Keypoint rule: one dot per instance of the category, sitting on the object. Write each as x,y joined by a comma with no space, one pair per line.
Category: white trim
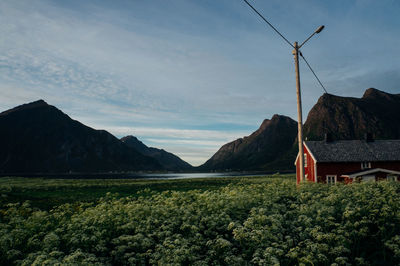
314,160
335,176
309,151
365,165
315,172
370,171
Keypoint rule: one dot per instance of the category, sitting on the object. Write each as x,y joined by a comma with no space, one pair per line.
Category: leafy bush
271,223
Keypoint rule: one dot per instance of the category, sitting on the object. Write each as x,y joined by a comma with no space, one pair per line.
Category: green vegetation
48,193
239,221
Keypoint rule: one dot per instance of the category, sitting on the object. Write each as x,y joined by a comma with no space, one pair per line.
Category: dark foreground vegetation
239,221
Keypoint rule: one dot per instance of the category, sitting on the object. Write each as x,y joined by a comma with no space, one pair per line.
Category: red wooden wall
309,170
338,169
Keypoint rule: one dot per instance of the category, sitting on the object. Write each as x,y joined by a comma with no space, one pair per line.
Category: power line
315,75
263,18
280,34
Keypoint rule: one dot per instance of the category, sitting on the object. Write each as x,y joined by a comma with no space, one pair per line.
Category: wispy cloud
203,143
176,133
162,70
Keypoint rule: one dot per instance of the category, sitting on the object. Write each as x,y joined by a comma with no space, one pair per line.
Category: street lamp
296,51
299,108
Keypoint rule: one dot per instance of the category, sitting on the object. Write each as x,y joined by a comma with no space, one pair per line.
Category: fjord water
198,175
150,176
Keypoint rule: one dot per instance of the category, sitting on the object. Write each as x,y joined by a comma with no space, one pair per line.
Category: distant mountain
265,149
168,160
377,112
273,147
38,137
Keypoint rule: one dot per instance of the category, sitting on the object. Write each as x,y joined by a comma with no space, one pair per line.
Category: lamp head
320,28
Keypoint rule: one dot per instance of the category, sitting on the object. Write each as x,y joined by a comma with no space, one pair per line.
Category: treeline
244,223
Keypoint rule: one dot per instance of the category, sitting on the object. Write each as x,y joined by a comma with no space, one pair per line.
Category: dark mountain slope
274,145
265,149
376,112
168,160
37,137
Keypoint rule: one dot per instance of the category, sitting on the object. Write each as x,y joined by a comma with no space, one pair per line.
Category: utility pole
299,111
296,51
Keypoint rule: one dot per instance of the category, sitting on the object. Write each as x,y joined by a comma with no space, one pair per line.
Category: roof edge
370,171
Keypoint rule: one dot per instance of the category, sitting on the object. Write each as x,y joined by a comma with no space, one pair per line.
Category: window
305,159
331,179
365,165
367,178
392,178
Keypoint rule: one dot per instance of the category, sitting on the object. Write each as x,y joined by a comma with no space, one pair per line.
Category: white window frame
365,165
391,178
330,178
368,178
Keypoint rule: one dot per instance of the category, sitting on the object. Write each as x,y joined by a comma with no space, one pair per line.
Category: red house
349,161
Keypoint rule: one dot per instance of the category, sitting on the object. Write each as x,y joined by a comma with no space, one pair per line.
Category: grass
46,193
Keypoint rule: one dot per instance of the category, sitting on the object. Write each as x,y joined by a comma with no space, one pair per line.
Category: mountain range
377,112
39,138
273,147
263,149
167,160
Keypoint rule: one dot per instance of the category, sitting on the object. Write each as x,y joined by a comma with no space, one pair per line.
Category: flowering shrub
271,223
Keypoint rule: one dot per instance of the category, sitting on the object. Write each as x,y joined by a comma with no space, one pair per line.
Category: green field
214,221
47,193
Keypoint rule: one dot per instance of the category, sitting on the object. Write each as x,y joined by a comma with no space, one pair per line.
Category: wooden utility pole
299,111
296,52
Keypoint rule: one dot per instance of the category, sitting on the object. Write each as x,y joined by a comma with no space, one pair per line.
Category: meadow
214,221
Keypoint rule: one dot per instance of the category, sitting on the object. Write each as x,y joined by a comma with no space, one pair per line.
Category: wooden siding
309,170
337,168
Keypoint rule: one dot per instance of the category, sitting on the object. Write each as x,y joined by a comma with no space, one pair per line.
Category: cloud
162,70
195,146
174,133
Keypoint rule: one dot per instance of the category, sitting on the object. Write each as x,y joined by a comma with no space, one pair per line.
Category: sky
188,76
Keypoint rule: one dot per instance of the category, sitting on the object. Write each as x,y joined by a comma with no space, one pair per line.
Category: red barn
350,160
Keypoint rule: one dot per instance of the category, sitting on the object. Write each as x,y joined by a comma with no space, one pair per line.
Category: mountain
168,160
274,145
377,112
38,137
266,149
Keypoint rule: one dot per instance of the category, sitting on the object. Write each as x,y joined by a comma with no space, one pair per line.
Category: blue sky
189,76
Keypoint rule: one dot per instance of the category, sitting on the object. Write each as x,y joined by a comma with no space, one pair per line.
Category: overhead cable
315,75
283,37
263,18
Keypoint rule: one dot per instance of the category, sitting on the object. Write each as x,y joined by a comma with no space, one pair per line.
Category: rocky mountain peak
32,105
374,94
37,137
135,143
262,147
351,118
276,119
129,138
168,160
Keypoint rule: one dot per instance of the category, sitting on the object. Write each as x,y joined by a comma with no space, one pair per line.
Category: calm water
196,175
143,175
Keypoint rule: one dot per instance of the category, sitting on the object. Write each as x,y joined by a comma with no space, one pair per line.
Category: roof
371,171
355,150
